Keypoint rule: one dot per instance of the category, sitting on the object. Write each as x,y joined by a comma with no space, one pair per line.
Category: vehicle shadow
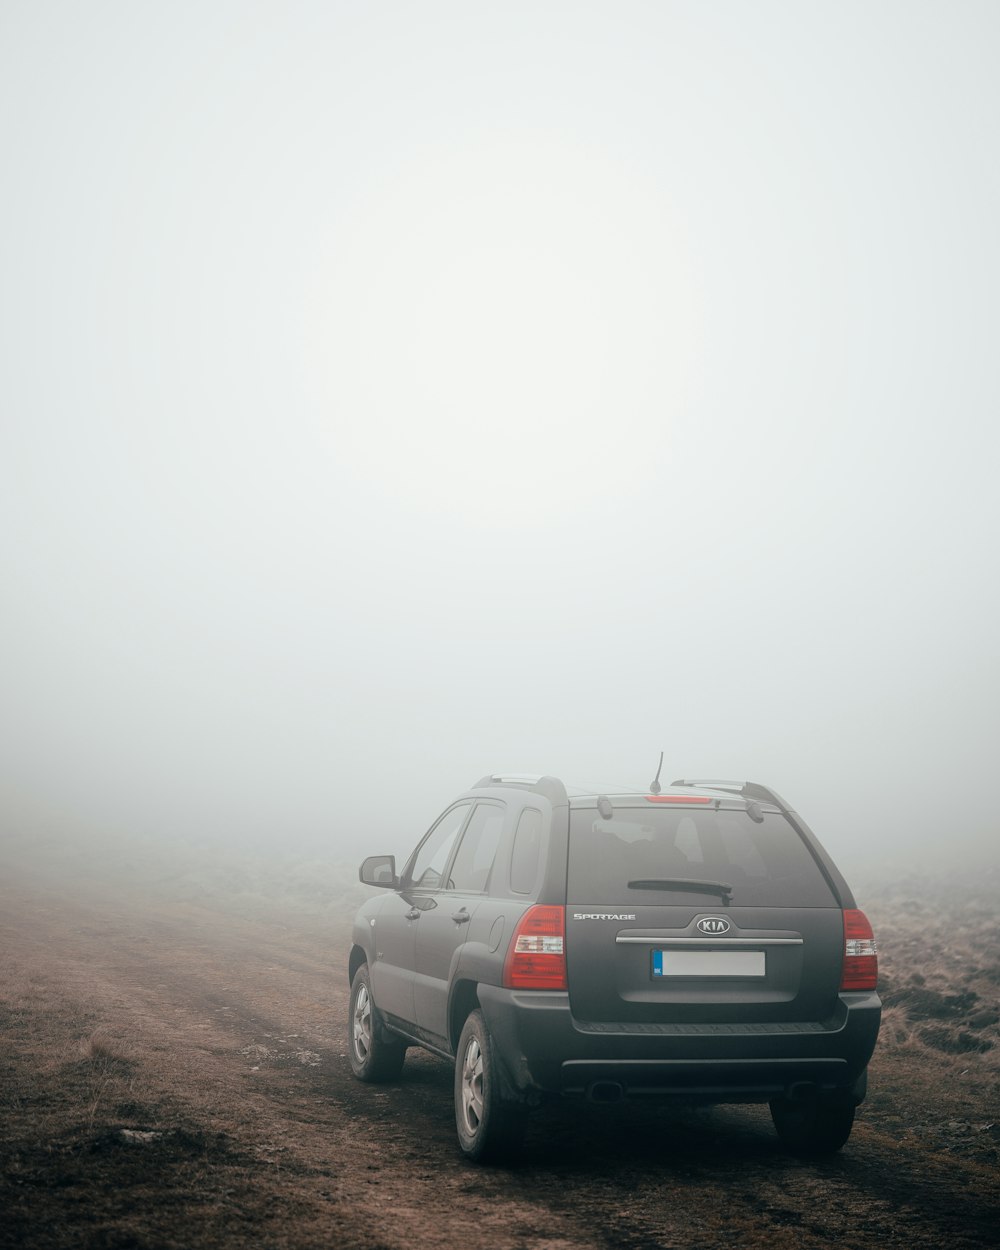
578,1134
633,1132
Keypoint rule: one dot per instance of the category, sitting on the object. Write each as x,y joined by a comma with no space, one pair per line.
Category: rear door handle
413,913
461,916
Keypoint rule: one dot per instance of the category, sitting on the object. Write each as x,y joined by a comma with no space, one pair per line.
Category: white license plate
708,964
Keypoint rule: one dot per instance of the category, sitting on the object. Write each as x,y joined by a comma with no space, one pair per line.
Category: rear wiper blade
683,883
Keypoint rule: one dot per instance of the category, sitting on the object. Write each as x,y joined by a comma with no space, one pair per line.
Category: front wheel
490,1128
372,1057
813,1126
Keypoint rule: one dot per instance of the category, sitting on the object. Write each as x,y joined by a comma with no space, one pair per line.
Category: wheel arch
464,1001
357,958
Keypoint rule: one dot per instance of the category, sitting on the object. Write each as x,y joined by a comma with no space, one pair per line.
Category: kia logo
714,924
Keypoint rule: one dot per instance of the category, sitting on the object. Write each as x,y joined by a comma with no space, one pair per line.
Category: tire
373,1058
813,1126
490,1127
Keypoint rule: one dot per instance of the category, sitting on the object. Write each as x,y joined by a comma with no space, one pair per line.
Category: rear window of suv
767,864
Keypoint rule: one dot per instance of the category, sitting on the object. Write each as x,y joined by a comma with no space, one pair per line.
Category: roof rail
748,789
754,790
713,783
550,788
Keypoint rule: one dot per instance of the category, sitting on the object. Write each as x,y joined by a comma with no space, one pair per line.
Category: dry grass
939,960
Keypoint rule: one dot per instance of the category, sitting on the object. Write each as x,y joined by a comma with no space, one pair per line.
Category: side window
527,849
471,869
429,865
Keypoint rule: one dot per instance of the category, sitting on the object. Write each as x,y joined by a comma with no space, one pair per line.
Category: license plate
708,964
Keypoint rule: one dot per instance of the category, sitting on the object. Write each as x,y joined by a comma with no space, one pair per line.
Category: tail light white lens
860,953
536,957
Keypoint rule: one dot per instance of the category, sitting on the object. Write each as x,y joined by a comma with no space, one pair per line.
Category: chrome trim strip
709,942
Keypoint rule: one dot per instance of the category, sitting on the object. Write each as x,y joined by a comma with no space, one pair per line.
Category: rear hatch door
690,909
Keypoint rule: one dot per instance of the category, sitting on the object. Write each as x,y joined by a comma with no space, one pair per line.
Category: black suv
696,943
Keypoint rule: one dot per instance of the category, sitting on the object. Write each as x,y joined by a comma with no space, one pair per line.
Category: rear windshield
767,864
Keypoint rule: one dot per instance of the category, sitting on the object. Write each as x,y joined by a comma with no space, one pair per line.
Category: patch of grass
939,961
107,1048
954,1041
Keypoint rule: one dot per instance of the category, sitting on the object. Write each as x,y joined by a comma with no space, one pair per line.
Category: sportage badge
714,924
603,915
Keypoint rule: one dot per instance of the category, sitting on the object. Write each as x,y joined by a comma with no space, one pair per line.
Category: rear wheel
810,1127
490,1128
372,1057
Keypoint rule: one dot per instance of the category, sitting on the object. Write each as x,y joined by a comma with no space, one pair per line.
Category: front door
397,923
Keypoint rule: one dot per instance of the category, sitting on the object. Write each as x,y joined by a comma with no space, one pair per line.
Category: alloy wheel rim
472,1087
362,1028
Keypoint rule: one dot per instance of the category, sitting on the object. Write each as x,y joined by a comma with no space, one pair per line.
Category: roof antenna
654,785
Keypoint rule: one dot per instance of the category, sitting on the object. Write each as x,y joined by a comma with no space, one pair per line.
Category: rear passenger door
444,925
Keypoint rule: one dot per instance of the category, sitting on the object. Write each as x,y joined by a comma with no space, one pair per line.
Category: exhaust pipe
605,1091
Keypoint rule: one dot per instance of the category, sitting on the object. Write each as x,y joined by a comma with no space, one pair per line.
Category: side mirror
379,870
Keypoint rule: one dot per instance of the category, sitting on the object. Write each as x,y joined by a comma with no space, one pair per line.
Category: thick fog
396,393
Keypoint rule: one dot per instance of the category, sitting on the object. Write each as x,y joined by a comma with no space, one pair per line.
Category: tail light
860,953
536,957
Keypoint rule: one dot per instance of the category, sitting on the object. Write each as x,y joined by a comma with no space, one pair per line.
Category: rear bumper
544,1049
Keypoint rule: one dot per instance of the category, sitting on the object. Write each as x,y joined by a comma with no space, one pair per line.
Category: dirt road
175,1076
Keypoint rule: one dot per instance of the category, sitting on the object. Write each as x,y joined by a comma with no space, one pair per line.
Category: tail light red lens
860,953
536,957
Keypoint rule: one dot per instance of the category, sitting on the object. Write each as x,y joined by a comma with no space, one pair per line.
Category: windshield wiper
683,883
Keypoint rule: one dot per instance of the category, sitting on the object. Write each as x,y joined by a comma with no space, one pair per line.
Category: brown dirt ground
173,1075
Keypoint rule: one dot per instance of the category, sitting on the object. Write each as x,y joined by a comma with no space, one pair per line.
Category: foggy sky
395,393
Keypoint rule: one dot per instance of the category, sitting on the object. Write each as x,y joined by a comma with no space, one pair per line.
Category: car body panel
611,964
548,1049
